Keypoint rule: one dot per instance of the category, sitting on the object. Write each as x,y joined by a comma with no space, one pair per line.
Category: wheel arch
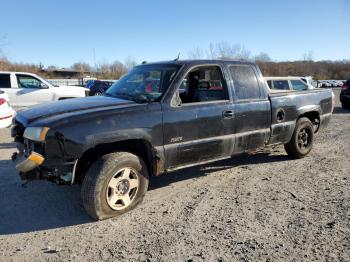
139,147
314,117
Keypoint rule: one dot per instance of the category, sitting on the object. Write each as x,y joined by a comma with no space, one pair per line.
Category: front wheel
302,140
114,184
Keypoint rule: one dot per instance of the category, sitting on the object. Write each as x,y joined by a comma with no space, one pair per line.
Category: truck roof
15,72
198,62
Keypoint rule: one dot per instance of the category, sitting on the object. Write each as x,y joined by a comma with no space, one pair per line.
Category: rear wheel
114,184
302,140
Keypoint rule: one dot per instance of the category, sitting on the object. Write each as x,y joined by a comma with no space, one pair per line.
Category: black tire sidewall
303,123
103,170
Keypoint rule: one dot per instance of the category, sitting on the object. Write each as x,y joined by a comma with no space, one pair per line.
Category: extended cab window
245,82
5,81
25,81
281,84
203,84
298,85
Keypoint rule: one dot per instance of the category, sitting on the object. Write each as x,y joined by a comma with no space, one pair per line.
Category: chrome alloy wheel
122,188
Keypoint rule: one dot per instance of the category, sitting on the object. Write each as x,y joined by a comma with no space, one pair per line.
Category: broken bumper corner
33,161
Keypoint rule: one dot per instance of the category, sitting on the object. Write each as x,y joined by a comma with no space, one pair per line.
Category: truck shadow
244,160
340,110
42,205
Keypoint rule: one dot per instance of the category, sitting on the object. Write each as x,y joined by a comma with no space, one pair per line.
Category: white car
6,111
283,83
26,89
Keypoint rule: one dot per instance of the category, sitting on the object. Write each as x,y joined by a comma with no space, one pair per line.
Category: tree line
223,50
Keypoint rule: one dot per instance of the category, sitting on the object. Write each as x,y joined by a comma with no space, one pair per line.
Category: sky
63,32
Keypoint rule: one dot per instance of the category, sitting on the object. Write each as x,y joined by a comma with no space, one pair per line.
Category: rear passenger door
252,113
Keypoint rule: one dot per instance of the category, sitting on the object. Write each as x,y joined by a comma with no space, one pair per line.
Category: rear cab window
5,81
245,82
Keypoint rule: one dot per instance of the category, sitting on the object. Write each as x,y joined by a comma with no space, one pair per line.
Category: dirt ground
262,207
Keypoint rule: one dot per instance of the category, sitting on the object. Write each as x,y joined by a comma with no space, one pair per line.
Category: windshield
144,83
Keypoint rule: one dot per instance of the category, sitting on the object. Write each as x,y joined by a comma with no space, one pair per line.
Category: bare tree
129,63
222,50
308,56
196,53
263,57
82,67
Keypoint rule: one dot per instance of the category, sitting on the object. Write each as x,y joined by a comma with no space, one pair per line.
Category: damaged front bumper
32,167
33,161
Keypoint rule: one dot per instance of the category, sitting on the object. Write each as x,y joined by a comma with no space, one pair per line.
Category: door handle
227,114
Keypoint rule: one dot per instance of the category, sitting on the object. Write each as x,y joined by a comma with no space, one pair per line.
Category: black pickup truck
158,118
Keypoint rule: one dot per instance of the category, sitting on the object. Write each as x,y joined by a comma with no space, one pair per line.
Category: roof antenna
144,62
177,58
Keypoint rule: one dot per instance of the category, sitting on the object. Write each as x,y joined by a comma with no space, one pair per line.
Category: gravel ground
261,207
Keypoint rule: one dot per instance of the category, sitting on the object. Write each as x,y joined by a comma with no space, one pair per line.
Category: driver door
32,91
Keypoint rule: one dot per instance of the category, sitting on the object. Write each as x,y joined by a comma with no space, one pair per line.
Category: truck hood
70,106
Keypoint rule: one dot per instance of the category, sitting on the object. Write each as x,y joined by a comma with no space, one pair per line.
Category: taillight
344,87
2,101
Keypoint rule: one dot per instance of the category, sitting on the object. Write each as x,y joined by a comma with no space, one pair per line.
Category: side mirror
44,86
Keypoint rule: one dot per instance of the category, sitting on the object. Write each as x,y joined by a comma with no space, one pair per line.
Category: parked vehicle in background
286,83
98,87
339,83
345,95
325,83
309,81
26,89
6,111
159,118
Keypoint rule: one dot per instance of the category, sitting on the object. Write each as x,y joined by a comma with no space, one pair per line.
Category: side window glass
245,82
25,81
5,81
298,85
203,84
281,84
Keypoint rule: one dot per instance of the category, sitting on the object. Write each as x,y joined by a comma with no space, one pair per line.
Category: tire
300,145
107,185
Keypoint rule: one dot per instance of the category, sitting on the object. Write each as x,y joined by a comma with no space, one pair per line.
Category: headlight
36,133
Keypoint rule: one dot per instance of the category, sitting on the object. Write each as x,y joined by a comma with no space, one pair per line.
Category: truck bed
287,106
